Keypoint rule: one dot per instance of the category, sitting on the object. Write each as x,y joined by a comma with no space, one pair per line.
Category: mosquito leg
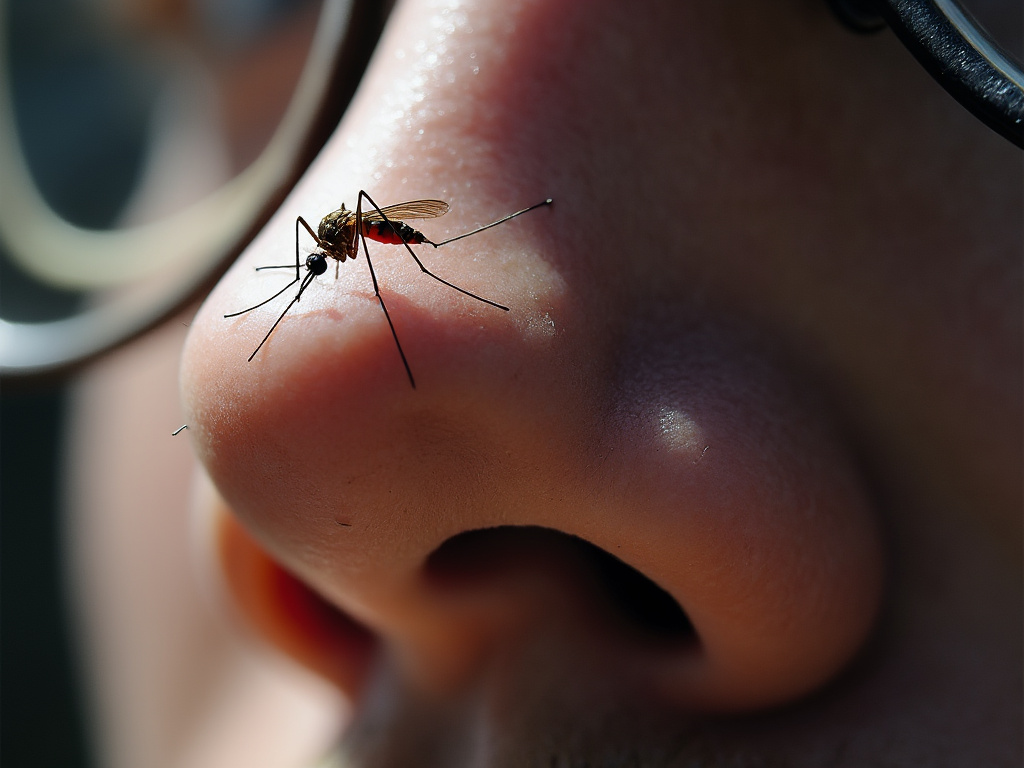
412,253
376,288
302,221
502,220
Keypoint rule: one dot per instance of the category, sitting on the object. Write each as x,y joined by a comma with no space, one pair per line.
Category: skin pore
764,348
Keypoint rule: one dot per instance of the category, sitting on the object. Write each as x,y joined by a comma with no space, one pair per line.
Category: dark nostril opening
475,557
639,599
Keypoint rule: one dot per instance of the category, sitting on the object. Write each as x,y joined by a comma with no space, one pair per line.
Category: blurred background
125,110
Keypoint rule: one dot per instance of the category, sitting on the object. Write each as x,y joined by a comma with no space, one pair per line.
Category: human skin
764,347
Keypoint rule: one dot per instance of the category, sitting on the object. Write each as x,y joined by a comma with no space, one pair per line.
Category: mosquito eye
316,263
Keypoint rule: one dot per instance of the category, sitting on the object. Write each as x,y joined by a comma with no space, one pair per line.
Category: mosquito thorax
337,229
316,263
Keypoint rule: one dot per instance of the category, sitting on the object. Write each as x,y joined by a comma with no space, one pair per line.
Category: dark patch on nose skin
476,557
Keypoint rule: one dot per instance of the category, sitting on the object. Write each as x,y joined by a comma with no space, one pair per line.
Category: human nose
693,521
456,526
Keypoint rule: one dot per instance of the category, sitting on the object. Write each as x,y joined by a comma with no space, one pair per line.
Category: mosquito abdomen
392,233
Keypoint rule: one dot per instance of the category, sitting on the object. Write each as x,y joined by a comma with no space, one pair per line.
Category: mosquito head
316,263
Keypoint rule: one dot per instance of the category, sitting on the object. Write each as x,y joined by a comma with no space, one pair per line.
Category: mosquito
339,235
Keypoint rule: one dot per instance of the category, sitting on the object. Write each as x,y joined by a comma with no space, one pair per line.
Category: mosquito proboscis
339,235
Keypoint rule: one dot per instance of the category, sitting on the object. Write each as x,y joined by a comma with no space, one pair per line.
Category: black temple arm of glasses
955,50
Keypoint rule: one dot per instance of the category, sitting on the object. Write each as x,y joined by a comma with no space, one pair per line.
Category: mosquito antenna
419,263
305,283
267,301
298,276
373,277
502,220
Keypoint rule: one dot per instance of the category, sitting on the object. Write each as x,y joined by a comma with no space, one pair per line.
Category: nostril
475,558
639,599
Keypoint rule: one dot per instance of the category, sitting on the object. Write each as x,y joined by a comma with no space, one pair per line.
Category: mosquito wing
414,209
